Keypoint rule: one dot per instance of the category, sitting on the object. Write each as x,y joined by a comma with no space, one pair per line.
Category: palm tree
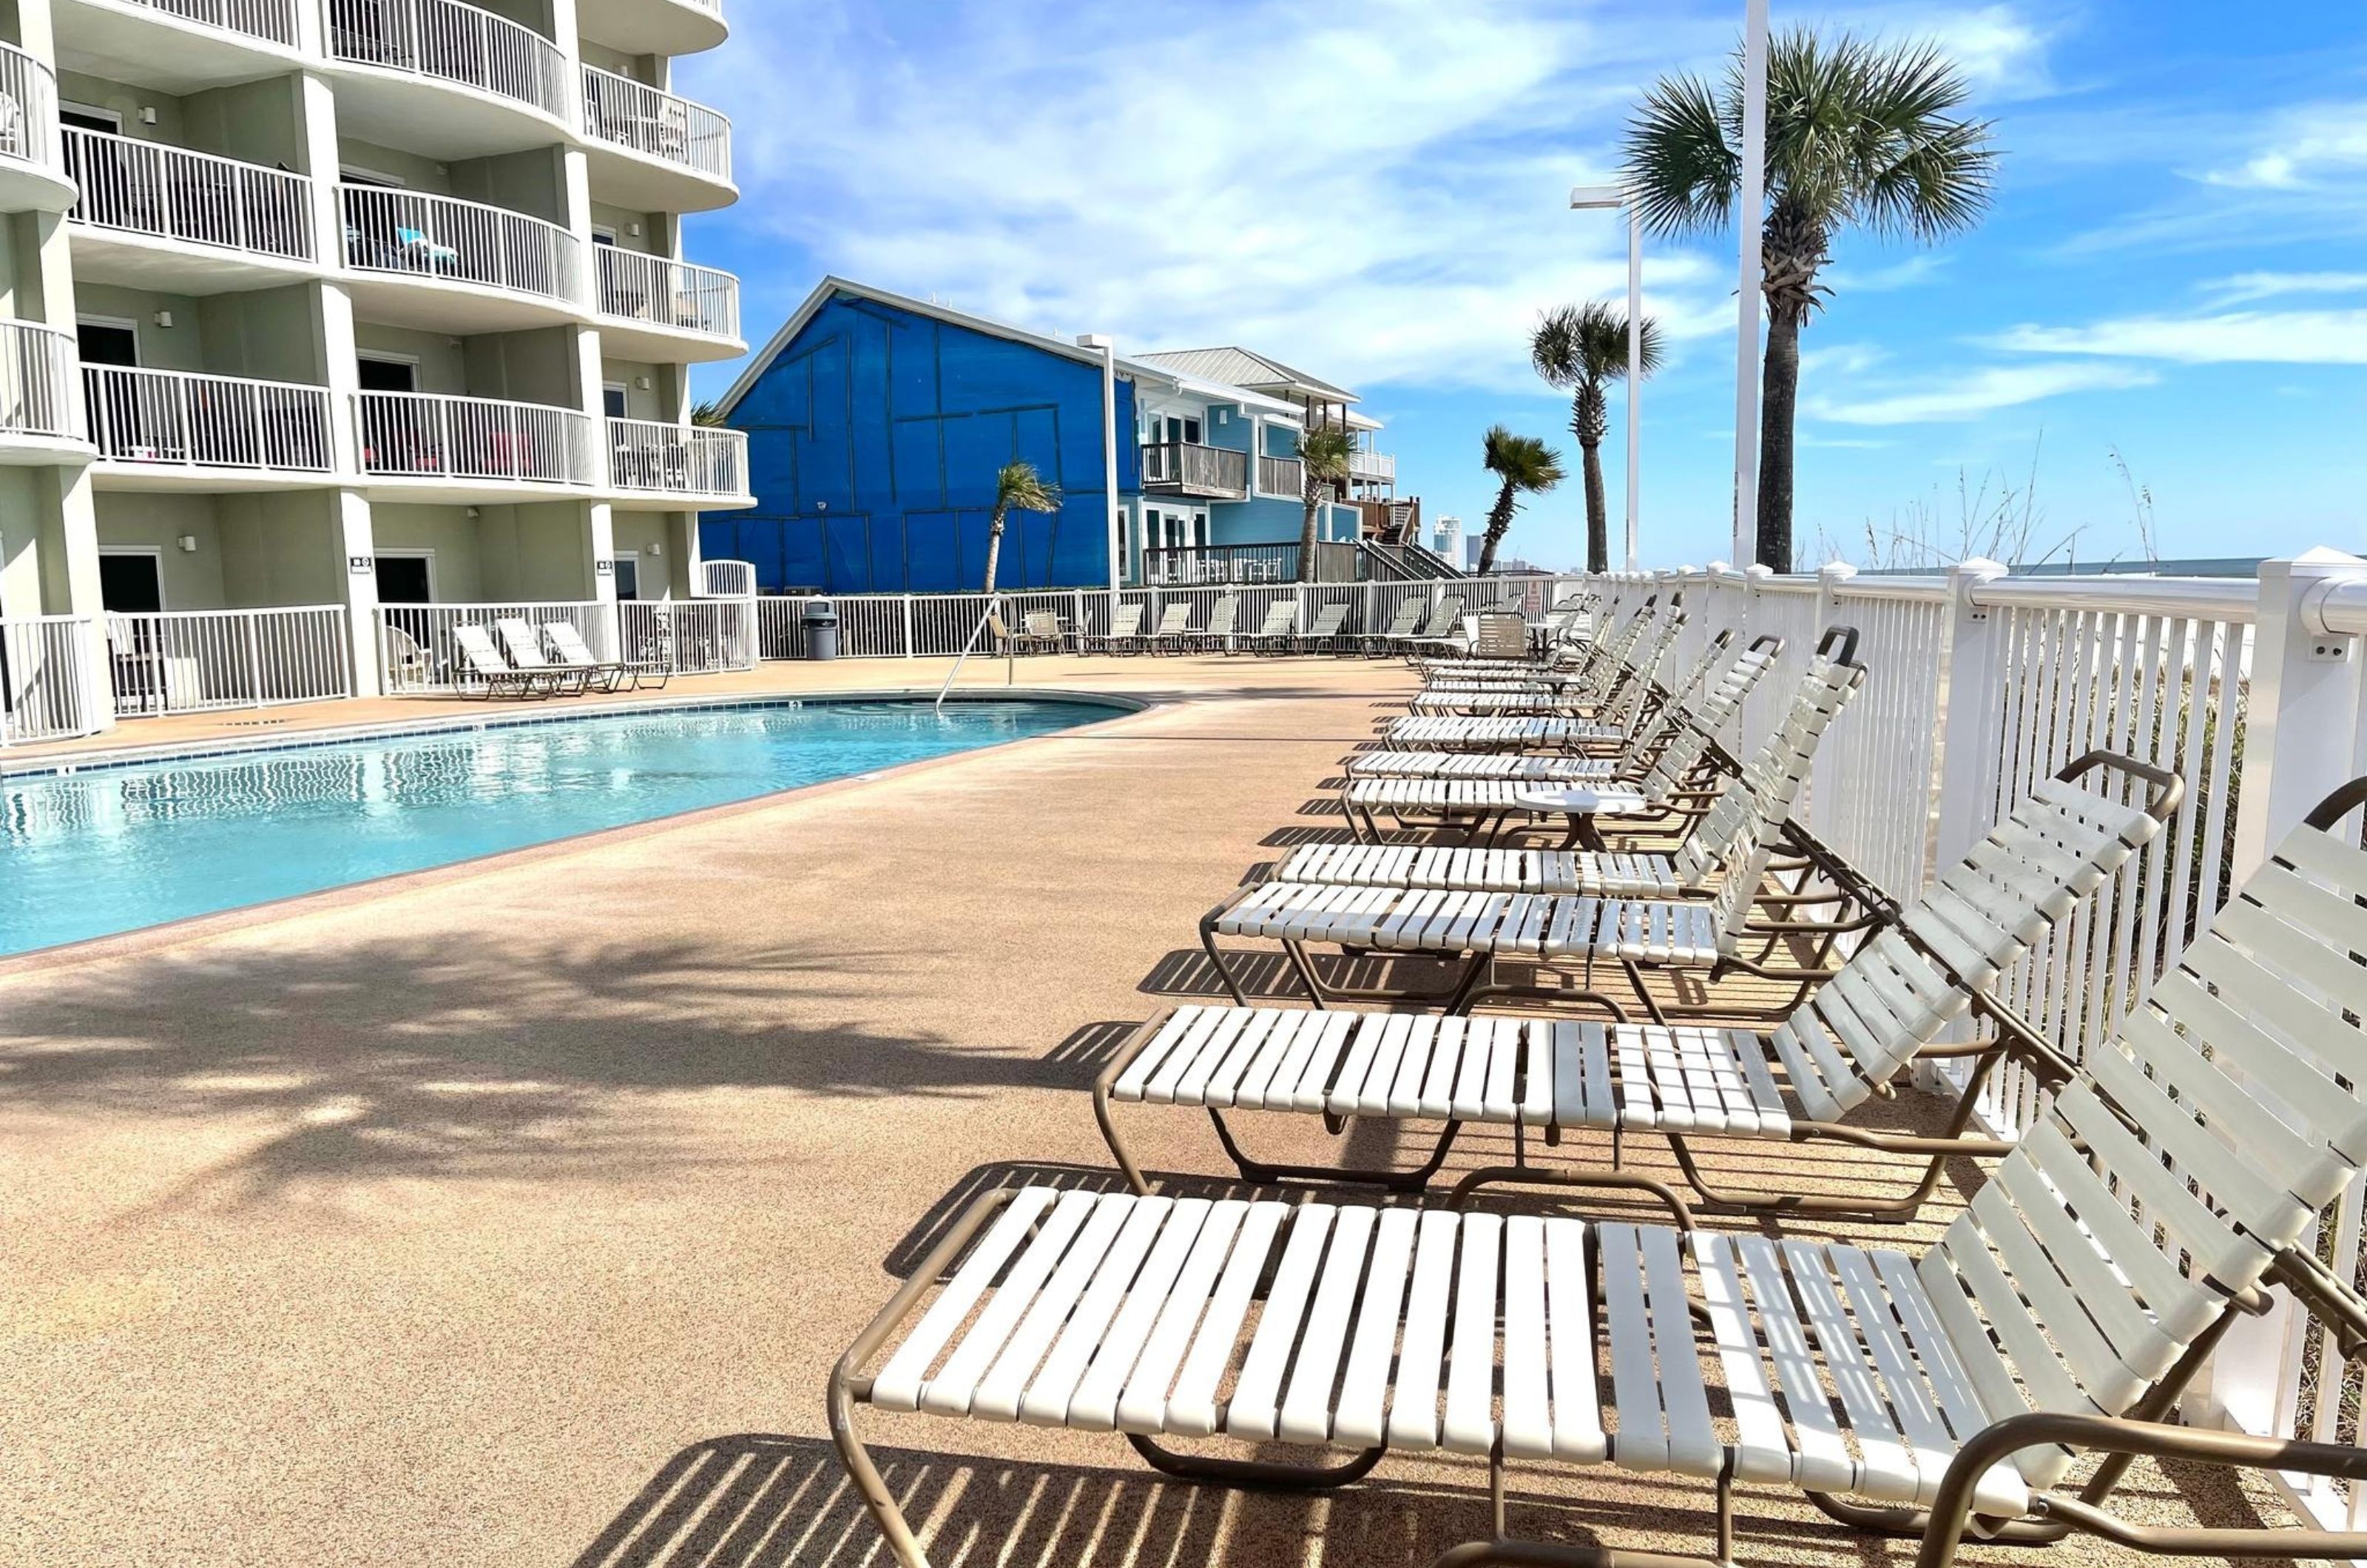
1858,134
708,415
1017,488
1526,465
1578,349
1323,465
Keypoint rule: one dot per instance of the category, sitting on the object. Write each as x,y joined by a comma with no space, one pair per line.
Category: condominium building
345,305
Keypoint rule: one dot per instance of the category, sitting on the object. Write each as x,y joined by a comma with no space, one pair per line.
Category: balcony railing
448,42
1195,469
196,660
37,367
688,637
170,417
639,118
1187,566
440,237
274,21
1379,467
649,457
29,134
421,436
171,192
670,294
1281,476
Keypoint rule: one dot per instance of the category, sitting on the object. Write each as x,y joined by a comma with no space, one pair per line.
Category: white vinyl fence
674,636
195,660
44,679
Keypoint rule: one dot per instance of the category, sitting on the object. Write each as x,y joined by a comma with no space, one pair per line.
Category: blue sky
2170,296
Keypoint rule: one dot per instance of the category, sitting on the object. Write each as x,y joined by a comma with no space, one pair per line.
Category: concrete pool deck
514,1214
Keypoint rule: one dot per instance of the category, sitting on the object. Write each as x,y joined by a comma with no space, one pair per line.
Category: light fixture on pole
1590,198
1748,215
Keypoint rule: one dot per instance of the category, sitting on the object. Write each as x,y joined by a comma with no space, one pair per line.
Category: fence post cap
1836,572
1717,566
1978,567
1759,571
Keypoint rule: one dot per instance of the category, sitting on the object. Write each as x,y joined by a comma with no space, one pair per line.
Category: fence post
253,656
2299,737
908,625
1831,577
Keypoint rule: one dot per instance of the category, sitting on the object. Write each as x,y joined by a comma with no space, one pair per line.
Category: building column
357,542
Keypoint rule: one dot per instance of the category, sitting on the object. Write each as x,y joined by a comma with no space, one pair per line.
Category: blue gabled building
877,425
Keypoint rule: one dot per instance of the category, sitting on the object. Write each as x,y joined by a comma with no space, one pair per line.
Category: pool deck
514,1212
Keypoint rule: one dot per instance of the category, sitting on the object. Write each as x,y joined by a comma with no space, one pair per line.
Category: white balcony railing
422,435
37,366
44,694
639,118
274,21
195,660
448,42
440,237
671,294
171,192
649,457
1381,467
171,417
29,109
1281,476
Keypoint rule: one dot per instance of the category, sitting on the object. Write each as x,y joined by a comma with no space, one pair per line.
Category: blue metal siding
874,439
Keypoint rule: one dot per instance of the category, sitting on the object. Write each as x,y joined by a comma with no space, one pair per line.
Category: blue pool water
115,849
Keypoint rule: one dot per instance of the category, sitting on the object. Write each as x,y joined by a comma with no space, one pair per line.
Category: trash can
821,629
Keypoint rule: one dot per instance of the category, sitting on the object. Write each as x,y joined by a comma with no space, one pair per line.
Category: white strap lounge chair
2176,1174
1325,632
1275,633
1402,626
1174,627
524,646
1897,991
478,667
1479,927
1126,626
568,647
1222,617
1444,621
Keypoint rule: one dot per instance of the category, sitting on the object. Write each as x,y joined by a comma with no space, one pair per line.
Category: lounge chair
1938,960
1621,675
567,644
1174,628
1325,632
1126,626
1219,633
480,668
1400,629
1556,930
1274,633
524,646
2179,1169
1445,618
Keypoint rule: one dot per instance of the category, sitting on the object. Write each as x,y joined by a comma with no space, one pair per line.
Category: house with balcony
313,308
878,422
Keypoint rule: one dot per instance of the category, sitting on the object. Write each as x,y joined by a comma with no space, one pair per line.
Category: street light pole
1607,197
1748,215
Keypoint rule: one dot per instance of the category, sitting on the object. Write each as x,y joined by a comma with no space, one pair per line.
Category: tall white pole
1108,347
1749,214
1635,374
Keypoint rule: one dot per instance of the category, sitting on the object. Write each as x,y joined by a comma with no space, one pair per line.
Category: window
405,580
104,340
132,582
388,375
603,236
370,177
629,576
612,400
90,117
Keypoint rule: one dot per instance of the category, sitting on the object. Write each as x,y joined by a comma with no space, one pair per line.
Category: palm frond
1522,463
1018,488
1679,161
1324,450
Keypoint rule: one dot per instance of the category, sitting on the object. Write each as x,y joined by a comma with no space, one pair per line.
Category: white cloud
1971,393
2249,286
2259,337
2311,145
1842,359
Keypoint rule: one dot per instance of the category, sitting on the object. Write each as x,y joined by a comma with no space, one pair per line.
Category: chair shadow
906,1257
1088,1047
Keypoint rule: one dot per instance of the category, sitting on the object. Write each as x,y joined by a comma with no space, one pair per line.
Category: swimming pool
117,848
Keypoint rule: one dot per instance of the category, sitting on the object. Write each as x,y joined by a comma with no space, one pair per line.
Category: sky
2154,343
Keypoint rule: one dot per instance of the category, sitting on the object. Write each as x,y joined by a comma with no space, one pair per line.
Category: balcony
655,152
653,27
1379,468
1186,468
437,262
178,46
31,177
462,448
678,462
1281,476
168,429
36,406
154,215
651,308
495,86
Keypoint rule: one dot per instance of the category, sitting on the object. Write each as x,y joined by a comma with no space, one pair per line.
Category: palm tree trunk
1779,400
1597,523
1499,523
1306,536
994,547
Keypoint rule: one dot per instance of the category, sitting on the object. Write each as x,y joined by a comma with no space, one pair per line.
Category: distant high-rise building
1447,537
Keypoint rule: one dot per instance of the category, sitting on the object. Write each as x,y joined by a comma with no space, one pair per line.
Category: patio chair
524,646
1446,618
407,665
1555,930
1174,628
1222,617
1324,635
1126,626
1274,633
2177,1173
1936,961
1039,632
1401,627
480,669
1622,676
568,646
